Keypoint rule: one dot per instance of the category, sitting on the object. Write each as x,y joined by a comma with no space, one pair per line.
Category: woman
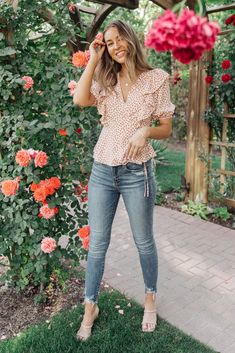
129,95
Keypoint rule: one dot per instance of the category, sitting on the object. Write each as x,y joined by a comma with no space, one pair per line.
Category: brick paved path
196,287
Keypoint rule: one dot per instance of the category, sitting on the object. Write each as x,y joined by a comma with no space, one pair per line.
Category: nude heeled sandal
85,330
147,321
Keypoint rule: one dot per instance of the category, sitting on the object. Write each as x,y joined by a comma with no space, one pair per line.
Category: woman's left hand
136,143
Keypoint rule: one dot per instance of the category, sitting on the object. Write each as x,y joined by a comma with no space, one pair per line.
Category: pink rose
48,245
48,212
72,86
29,82
23,158
32,153
41,159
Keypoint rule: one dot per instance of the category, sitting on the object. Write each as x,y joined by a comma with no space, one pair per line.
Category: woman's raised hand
97,48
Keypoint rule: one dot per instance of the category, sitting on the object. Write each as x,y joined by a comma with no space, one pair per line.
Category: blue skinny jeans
136,184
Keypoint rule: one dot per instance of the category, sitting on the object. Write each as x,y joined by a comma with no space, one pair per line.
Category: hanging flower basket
186,34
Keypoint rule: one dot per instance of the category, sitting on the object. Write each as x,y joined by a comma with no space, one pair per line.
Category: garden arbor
198,132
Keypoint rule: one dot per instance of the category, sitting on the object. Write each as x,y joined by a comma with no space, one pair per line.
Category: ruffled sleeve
163,106
100,97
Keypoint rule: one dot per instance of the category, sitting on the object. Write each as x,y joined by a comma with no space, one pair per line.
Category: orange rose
23,158
84,232
34,187
55,182
63,132
9,187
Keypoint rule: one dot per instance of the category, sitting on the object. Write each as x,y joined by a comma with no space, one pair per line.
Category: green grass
113,333
169,176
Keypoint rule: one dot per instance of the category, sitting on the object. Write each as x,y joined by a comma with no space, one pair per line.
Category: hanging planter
183,32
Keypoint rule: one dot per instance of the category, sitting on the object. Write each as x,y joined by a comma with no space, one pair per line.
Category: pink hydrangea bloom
28,82
48,245
48,212
23,158
187,35
41,159
72,86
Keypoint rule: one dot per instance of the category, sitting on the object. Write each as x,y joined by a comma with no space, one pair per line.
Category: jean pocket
134,167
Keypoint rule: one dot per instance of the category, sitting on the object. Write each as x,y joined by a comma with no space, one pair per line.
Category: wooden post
198,133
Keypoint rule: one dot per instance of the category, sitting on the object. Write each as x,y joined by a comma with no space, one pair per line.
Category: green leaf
7,51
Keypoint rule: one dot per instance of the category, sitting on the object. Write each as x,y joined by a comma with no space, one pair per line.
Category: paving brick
220,342
196,285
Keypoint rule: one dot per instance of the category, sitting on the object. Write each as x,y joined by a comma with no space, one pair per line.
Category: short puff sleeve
163,105
100,97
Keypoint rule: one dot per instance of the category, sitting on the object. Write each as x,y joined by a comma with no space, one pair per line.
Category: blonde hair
107,69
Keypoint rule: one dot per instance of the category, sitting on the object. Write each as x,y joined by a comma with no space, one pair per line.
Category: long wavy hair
107,69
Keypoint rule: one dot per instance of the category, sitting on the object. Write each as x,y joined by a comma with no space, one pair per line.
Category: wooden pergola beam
129,4
101,15
220,8
86,9
165,4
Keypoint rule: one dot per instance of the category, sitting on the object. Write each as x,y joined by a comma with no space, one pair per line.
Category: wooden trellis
224,145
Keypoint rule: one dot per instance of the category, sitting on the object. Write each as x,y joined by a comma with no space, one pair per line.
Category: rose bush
42,136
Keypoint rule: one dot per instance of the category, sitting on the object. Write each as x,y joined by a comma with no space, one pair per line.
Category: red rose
226,78
230,20
226,64
208,79
78,130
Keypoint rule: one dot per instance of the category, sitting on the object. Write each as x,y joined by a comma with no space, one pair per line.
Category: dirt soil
18,310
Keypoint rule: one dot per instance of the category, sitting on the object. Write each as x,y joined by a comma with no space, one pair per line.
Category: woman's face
116,45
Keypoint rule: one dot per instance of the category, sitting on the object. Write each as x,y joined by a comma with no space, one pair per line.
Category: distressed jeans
106,184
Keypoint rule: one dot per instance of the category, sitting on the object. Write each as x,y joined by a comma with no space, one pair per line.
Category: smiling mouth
120,54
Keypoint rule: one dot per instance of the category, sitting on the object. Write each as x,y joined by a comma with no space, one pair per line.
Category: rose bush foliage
32,115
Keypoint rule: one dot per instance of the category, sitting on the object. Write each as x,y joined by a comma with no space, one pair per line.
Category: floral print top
148,100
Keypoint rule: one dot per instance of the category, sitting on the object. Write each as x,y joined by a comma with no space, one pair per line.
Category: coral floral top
148,100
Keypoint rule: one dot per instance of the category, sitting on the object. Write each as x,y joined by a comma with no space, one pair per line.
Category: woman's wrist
144,131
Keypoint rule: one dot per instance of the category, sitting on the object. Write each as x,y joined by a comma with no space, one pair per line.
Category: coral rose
80,58
9,187
226,78
48,212
208,79
40,194
84,232
48,245
40,159
63,132
29,82
23,158
226,64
